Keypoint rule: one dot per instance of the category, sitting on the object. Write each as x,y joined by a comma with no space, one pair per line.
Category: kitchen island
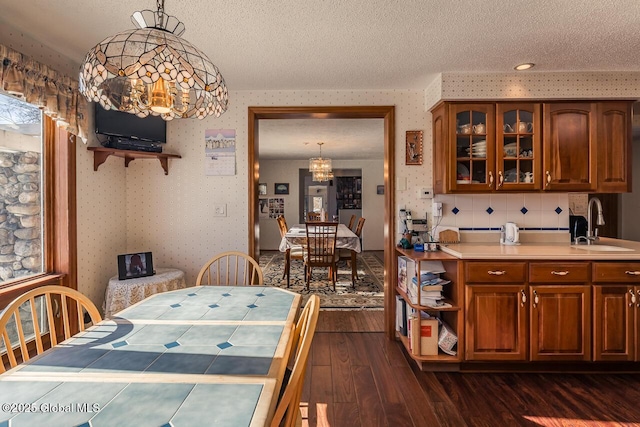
544,306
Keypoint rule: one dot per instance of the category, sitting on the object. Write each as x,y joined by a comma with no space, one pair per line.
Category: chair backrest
314,216
358,231
231,268
288,406
31,315
351,221
282,225
321,242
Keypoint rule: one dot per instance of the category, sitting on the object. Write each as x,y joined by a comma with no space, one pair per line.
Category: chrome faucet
592,235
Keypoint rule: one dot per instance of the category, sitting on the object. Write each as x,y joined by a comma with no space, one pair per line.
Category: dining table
345,239
207,355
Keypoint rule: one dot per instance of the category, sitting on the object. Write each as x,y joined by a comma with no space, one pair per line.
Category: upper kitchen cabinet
518,152
532,146
486,147
614,146
570,146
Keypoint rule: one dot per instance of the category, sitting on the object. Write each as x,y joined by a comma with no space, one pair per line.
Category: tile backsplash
487,212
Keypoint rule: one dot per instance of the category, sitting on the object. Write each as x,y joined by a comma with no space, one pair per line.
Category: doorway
387,113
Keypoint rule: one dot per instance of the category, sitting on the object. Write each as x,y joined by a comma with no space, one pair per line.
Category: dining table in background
209,355
345,239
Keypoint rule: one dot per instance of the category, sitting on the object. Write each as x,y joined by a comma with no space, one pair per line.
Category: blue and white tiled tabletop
212,355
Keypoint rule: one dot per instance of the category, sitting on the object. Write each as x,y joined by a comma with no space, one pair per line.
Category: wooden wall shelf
100,155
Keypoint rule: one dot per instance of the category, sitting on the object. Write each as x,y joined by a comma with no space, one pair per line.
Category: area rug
368,292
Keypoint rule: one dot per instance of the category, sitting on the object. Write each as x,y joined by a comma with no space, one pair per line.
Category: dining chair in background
351,222
231,268
287,412
314,216
321,249
292,253
350,255
35,313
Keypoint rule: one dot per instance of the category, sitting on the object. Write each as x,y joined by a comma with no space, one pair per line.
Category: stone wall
20,220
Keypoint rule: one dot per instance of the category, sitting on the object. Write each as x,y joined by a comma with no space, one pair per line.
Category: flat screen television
129,126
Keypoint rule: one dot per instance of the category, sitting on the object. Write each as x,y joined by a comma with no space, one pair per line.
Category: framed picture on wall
281,188
262,189
414,147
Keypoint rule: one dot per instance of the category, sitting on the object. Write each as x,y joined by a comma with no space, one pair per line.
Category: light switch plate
220,209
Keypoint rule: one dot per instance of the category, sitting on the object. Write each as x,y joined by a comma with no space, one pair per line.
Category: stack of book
429,285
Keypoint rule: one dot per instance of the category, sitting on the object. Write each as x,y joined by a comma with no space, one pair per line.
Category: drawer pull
638,297
548,179
536,300
633,298
560,273
490,179
497,272
524,298
632,273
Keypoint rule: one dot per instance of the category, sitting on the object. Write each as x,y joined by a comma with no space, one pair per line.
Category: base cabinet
560,322
496,322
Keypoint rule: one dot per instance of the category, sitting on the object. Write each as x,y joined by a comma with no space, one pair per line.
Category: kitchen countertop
544,251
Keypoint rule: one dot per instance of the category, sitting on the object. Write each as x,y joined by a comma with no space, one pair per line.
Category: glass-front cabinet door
473,156
518,148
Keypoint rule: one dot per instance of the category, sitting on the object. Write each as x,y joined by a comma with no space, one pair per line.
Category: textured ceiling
355,44
359,44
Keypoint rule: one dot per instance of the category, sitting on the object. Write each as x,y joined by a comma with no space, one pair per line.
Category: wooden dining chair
350,255
351,222
314,216
287,412
231,268
292,253
33,315
321,249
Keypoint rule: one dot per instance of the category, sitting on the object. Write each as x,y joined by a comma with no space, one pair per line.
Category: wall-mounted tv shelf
100,155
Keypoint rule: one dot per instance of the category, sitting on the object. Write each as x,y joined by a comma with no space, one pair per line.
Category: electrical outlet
436,209
220,209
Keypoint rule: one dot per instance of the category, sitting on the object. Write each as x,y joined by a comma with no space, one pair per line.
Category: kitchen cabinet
569,146
532,146
560,316
616,311
614,146
496,311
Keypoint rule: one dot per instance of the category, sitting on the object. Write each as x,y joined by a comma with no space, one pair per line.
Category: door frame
385,112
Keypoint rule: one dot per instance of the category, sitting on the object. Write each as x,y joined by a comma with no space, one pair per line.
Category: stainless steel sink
602,248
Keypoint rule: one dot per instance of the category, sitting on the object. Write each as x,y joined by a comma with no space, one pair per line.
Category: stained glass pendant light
319,165
151,70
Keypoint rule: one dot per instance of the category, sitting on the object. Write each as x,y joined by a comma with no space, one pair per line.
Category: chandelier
320,167
151,70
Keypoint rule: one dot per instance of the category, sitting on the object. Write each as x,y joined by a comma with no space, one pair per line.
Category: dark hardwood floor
362,379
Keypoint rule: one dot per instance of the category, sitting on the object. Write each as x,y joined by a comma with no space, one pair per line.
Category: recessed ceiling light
522,67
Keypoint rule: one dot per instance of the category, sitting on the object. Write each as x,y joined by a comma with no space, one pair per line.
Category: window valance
55,93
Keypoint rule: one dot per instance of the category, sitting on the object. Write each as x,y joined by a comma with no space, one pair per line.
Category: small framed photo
131,266
281,188
262,189
414,147
380,189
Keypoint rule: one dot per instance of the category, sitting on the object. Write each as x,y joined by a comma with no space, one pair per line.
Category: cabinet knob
536,300
497,272
633,298
524,298
632,273
500,179
560,273
490,179
548,178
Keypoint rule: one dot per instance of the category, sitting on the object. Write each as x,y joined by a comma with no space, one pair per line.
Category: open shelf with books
429,308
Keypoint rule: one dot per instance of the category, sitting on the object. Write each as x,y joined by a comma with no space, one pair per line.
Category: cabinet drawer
614,272
553,272
495,272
